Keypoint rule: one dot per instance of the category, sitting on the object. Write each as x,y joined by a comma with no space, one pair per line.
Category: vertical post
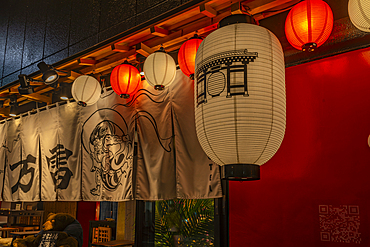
144,225
222,216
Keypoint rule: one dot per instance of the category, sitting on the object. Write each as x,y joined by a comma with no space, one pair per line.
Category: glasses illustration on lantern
211,72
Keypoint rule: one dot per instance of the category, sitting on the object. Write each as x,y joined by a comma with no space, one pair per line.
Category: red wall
86,212
323,160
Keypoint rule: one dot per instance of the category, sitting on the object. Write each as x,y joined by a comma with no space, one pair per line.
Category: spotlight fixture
49,74
25,87
13,106
63,91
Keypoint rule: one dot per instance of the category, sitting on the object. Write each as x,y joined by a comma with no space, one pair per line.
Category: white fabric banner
3,151
69,146
171,163
13,155
107,150
156,171
48,126
197,176
87,153
60,148
22,172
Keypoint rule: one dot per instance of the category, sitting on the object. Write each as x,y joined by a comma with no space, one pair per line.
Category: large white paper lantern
240,96
359,13
86,90
159,69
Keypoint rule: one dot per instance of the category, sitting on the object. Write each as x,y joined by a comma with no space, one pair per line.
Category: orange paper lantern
187,53
125,80
309,24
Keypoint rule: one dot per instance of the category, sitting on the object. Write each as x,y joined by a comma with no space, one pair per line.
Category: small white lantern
86,90
240,96
359,13
159,69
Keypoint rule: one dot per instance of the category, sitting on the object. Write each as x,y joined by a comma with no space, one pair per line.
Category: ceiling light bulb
51,78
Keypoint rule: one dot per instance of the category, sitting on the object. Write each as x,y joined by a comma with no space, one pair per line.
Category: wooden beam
270,5
41,90
89,62
38,97
204,25
207,10
159,31
236,8
4,112
143,49
73,75
109,63
120,48
36,83
13,90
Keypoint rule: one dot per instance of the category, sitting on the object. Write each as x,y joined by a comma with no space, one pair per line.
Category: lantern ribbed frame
309,22
86,90
244,128
125,80
186,55
359,14
159,69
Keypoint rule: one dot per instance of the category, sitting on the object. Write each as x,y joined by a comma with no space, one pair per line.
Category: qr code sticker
340,224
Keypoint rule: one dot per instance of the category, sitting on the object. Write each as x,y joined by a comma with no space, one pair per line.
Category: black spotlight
63,91
49,74
25,87
13,106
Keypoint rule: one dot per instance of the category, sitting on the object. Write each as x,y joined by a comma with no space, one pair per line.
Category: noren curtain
119,149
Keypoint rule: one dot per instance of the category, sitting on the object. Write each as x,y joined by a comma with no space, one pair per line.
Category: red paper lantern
309,24
125,80
187,53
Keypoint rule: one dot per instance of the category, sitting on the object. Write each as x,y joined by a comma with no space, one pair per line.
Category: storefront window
108,210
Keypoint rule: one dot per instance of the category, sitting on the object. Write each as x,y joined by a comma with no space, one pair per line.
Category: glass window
108,210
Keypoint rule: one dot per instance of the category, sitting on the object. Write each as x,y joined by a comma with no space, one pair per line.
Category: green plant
184,222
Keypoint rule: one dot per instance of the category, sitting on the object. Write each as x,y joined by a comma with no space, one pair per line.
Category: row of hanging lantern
159,69
239,82
308,25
